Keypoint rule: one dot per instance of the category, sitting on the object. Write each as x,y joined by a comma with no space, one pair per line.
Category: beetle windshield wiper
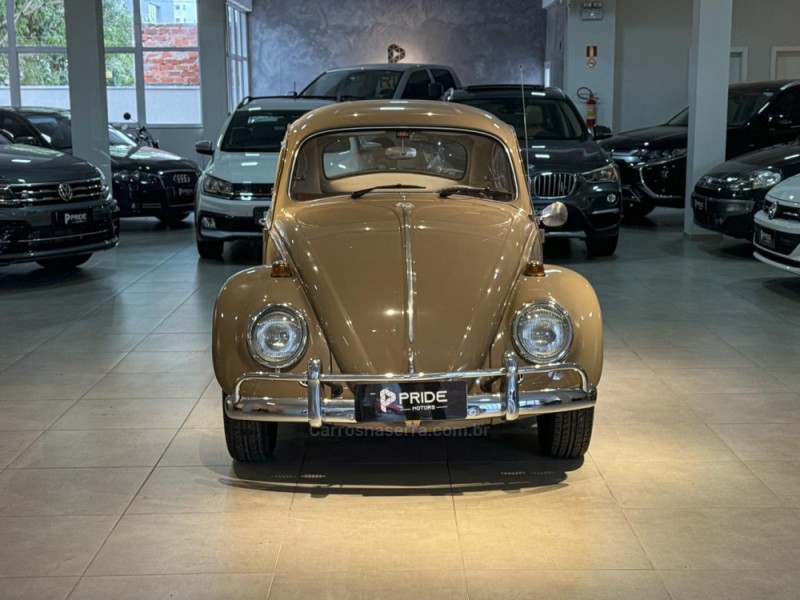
396,186
470,190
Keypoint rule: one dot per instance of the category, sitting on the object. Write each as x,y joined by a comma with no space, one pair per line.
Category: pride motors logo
387,398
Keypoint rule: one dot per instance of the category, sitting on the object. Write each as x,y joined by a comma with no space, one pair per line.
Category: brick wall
170,68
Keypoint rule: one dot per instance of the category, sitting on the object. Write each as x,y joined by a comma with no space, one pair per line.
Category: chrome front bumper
317,410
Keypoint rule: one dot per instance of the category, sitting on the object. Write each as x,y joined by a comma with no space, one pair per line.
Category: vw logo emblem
772,210
65,192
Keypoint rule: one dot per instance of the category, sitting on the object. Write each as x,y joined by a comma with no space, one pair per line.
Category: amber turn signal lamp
534,269
280,268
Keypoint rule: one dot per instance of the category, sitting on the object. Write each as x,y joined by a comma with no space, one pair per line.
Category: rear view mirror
601,132
27,139
778,121
401,152
204,147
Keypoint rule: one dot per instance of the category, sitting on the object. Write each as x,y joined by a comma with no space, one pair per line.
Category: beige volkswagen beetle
403,287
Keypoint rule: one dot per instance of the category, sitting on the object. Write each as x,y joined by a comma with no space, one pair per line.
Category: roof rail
248,99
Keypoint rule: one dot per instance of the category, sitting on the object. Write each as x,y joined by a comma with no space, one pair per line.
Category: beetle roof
403,113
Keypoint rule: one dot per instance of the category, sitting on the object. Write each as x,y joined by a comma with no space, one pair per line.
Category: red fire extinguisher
590,99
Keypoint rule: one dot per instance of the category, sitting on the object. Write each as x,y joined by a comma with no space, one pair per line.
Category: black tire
602,246
249,441
565,434
211,249
64,263
172,219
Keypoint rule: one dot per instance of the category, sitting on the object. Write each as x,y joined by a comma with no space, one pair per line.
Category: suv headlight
103,182
650,156
542,332
755,180
278,336
214,186
606,173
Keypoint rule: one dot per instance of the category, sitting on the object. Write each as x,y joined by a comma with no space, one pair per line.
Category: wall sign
591,57
396,53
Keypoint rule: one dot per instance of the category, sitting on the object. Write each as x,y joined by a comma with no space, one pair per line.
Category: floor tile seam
21,452
127,507
83,315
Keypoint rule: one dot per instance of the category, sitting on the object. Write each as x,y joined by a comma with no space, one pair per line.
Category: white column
87,82
211,19
709,66
596,37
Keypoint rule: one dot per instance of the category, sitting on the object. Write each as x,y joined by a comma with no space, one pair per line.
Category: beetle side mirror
204,147
554,215
601,132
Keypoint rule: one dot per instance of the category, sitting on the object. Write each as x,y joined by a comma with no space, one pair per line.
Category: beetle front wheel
249,441
565,434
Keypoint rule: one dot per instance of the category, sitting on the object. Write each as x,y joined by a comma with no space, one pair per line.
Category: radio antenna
525,128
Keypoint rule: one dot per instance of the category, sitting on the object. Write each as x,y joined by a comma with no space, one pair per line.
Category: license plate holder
184,192
72,218
399,402
766,238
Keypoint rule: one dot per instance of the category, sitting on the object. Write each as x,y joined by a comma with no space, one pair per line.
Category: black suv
652,161
564,161
55,209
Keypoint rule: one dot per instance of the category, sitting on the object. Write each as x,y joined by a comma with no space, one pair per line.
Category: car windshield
743,105
546,118
117,138
356,83
56,129
257,130
411,160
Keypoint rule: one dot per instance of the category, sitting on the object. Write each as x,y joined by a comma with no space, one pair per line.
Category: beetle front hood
352,257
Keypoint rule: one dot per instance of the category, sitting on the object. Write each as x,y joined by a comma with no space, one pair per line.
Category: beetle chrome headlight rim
277,336
555,332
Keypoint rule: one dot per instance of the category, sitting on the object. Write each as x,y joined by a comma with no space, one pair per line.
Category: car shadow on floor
345,462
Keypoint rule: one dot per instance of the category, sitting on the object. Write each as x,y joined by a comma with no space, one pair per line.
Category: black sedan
146,181
729,195
55,209
652,161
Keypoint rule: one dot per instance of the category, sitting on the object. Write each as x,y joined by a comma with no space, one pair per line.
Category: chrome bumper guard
316,410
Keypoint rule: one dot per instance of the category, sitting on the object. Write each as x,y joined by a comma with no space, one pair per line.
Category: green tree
40,23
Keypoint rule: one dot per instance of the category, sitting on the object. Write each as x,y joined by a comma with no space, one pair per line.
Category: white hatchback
777,227
235,189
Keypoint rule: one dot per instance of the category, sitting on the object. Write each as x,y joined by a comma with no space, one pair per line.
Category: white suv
777,227
235,188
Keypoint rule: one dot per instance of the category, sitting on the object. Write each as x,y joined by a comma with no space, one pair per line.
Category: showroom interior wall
652,55
291,43
595,72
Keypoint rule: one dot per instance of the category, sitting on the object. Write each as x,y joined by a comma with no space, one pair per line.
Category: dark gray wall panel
292,42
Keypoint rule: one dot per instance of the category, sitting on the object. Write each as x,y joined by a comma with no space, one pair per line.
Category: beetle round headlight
542,332
278,336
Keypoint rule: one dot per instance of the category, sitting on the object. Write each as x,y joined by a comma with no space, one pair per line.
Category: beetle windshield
338,163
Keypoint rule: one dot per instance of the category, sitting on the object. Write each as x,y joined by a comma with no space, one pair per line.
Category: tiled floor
115,481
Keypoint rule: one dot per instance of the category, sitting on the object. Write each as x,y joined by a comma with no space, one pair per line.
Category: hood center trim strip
405,209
